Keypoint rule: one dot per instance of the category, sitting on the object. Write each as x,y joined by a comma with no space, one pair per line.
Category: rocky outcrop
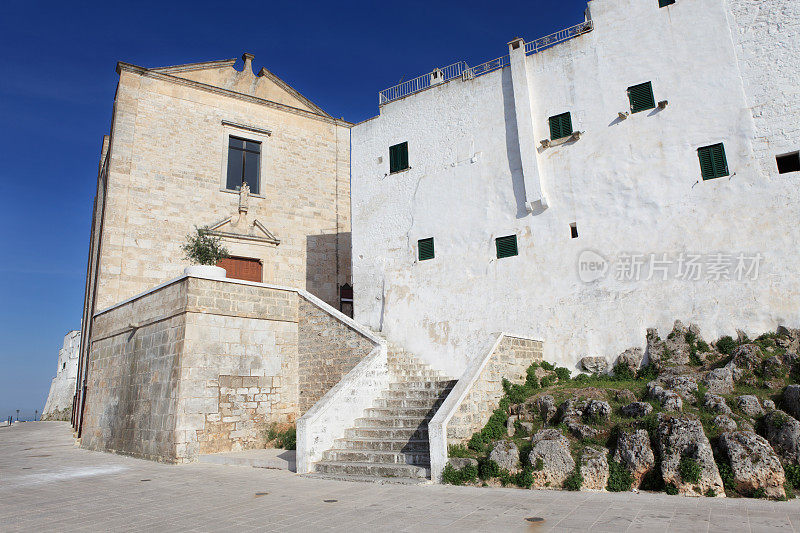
631,358
542,407
681,383
633,451
719,380
637,409
551,459
459,463
791,400
579,430
749,405
716,404
594,365
668,399
594,468
724,423
680,439
754,463
625,396
596,411
769,405
747,357
783,432
772,367
506,455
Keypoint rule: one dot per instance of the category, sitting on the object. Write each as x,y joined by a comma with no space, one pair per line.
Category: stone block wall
327,350
510,360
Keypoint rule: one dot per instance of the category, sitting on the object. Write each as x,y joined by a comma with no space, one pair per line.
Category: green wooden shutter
506,246
665,3
560,126
398,157
641,97
713,163
425,247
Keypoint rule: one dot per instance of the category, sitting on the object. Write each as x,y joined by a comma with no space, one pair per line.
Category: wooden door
242,268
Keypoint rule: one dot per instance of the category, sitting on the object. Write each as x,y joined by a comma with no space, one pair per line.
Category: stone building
183,142
62,389
636,168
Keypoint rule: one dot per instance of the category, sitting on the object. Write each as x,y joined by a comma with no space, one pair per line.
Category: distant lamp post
35,414
17,415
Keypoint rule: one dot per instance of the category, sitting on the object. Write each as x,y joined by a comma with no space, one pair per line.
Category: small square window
506,246
641,97
425,249
560,126
788,163
398,157
713,163
665,3
573,230
244,159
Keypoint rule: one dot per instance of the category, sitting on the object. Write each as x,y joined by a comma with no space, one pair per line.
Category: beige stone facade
203,366
163,171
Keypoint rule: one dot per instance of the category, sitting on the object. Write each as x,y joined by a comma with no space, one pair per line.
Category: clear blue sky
57,83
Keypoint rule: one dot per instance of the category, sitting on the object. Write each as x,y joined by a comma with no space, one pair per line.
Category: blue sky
57,87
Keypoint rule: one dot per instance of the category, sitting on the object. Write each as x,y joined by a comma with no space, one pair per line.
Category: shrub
689,469
530,376
505,477
202,248
562,373
623,371
451,476
792,475
726,345
574,480
759,493
690,337
286,439
487,469
547,381
458,450
516,393
694,360
703,346
671,489
711,493
539,465
726,473
524,478
547,366
619,478
648,372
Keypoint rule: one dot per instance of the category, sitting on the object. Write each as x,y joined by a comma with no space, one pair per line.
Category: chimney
248,62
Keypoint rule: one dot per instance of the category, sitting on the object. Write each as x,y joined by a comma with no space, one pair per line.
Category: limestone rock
551,449
656,350
769,405
594,468
633,451
596,411
594,365
580,431
716,404
681,383
719,380
747,357
745,425
788,338
460,462
527,426
510,425
749,405
571,408
754,463
783,432
725,423
506,455
676,348
668,399
681,437
632,358
772,367
637,409
791,400
625,396
543,407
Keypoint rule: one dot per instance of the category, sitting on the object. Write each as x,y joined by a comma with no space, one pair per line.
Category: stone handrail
477,393
338,409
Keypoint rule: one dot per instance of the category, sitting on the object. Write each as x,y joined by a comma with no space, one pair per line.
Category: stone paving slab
271,458
48,484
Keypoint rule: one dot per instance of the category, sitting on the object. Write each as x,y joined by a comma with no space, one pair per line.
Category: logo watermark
662,266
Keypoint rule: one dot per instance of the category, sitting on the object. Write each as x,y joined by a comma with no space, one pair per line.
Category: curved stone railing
477,393
337,410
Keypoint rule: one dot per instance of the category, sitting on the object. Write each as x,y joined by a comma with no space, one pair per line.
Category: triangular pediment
241,229
265,85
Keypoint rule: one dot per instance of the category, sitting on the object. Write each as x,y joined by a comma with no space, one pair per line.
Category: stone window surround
248,133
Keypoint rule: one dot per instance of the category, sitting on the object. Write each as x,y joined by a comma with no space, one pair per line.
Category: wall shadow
328,265
512,143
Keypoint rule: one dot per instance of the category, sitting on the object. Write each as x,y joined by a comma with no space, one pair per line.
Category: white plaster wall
62,388
631,186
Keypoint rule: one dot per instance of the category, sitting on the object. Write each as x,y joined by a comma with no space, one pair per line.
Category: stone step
392,422
377,456
371,479
397,445
432,403
387,433
440,386
416,394
420,375
372,469
397,412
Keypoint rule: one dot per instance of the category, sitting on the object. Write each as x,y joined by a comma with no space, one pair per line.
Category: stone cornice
127,67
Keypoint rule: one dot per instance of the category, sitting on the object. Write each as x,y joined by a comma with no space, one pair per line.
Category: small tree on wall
202,248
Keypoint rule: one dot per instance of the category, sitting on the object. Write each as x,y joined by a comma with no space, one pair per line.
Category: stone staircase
390,442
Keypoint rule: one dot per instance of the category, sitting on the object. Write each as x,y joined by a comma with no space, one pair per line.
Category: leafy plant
694,359
726,345
689,469
539,465
711,493
524,478
547,366
703,346
575,480
487,469
623,371
458,450
286,439
792,474
726,473
671,489
547,381
759,493
619,477
453,476
562,373
202,248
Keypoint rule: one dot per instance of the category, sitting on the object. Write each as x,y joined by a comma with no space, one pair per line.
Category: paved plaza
48,484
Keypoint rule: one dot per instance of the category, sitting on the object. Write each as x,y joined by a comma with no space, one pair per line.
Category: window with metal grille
425,247
506,246
560,126
788,163
398,157
244,158
665,3
713,163
641,97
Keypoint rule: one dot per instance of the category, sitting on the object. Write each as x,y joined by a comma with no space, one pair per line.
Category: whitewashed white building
615,228
62,389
